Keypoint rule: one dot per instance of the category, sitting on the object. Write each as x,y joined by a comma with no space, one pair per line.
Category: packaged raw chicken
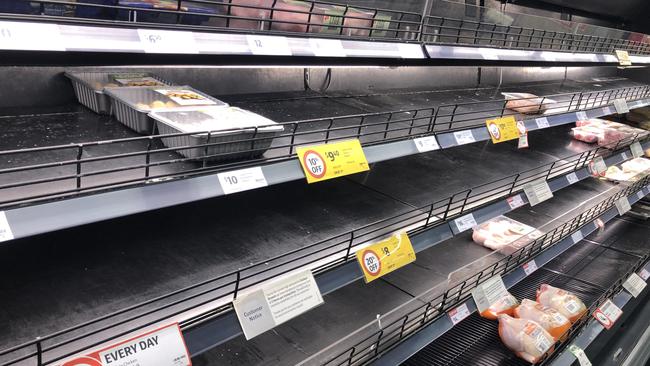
501,233
527,103
550,319
636,165
526,338
565,302
615,173
504,305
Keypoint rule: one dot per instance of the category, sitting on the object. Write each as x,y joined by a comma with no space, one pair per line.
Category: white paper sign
529,267
458,314
161,347
268,45
637,150
634,285
623,206
5,229
577,236
327,47
607,314
515,201
581,116
464,137
537,192
488,293
277,302
428,143
465,222
30,36
621,106
624,156
542,122
583,360
572,178
242,180
163,41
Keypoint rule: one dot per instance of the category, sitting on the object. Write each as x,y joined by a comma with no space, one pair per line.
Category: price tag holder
624,155
529,267
572,178
5,229
464,137
328,161
581,116
623,58
538,192
162,347
428,143
634,285
410,50
276,302
577,237
163,41
598,166
242,180
621,106
458,314
640,195
579,354
637,150
542,122
606,111
385,256
623,206
644,274
327,47
502,129
30,36
515,201
607,314
488,293
268,45
465,223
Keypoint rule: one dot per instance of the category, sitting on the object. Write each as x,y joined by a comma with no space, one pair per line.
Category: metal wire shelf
213,296
84,168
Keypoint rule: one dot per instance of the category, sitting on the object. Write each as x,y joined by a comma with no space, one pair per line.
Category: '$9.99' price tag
327,161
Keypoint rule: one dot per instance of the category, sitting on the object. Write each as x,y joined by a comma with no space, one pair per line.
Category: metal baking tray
236,133
131,106
89,88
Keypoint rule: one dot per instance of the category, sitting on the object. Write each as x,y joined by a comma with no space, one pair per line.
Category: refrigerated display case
162,163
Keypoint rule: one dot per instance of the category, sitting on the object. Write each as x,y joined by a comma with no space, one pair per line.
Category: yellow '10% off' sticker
327,161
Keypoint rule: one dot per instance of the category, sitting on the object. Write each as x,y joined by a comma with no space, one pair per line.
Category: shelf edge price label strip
621,106
607,314
502,129
276,302
456,315
529,267
465,222
634,285
542,122
623,205
427,143
385,256
577,237
164,41
623,58
598,167
515,201
327,161
268,45
327,47
572,178
580,355
161,347
5,230
464,137
538,192
30,36
242,180
637,150
489,293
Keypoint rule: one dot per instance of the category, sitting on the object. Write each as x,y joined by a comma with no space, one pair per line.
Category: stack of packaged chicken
504,234
630,170
605,133
531,328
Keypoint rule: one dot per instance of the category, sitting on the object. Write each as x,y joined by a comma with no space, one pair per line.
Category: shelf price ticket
161,347
607,314
385,256
327,161
503,129
623,58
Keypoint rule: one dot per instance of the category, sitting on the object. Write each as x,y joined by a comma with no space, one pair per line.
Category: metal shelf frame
211,320
384,136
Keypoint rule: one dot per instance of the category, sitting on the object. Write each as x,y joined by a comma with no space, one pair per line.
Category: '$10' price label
327,161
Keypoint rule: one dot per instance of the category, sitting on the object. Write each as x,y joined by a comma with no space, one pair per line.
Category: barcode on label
428,143
577,236
542,122
538,192
623,206
242,180
634,285
530,267
5,229
572,178
515,201
571,306
621,106
464,137
637,150
581,116
458,314
465,222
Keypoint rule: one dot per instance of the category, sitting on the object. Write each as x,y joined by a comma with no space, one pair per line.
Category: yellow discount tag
386,256
503,129
623,58
327,161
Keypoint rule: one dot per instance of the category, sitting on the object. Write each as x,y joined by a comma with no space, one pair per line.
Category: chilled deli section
276,182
